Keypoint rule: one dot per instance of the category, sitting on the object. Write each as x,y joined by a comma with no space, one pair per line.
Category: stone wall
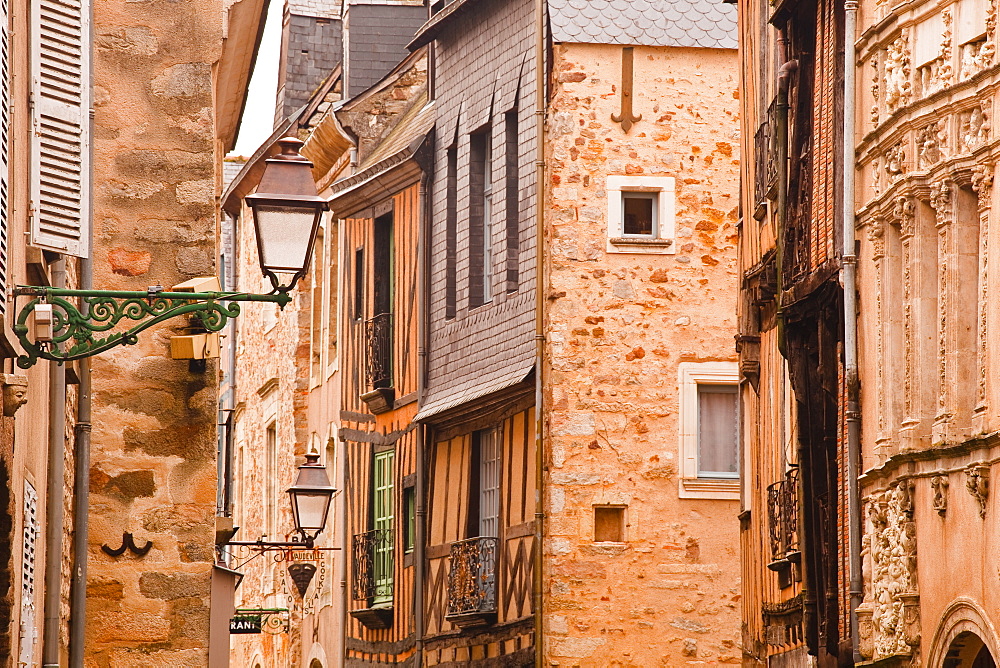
617,326
156,176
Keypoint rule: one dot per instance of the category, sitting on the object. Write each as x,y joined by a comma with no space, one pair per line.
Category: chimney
376,33
311,47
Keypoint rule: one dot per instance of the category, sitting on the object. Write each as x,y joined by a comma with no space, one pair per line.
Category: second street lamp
310,496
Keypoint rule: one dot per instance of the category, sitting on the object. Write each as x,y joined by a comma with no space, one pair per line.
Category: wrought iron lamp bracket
100,311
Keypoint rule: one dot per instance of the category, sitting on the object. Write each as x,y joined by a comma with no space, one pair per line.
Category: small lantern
286,215
311,495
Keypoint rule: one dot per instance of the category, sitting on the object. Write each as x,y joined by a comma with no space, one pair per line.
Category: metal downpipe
852,414
537,575
54,511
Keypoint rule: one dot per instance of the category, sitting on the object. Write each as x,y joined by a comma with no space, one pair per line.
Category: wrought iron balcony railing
783,515
378,351
765,157
472,579
373,566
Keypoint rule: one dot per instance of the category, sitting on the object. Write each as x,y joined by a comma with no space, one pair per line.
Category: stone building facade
642,152
907,555
927,224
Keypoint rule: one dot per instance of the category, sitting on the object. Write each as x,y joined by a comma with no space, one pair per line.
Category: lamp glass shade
285,234
310,510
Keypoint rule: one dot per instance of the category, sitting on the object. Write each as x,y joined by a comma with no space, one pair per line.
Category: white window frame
690,376
662,241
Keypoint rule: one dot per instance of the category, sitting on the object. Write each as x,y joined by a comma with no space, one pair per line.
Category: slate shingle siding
483,58
377,35
691,23
313,48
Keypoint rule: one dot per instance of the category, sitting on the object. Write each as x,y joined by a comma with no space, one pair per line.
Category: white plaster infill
662,241
689,376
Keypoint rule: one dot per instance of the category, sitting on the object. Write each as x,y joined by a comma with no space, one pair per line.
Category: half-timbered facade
479,400
794,519
380,208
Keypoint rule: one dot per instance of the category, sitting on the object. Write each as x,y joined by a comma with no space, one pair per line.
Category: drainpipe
850,267
781,145
424,437
81,458
538,577
54,515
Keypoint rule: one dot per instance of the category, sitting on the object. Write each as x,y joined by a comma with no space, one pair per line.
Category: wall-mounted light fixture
286,212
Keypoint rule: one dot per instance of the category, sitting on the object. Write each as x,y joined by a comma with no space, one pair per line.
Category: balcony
379,392
373,577
783,526
765,162
472,582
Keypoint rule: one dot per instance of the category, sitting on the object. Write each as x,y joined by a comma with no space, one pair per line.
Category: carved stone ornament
941,201
982,184
875,90
977,481
903,211
974,128
15,393
889,569
897,74
939,489
932,144
876,235
895,159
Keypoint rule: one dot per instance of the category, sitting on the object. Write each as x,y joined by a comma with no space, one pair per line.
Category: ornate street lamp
286,215
286,212
311,495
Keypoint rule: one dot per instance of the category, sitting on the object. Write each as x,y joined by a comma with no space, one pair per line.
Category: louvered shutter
4,150
61,103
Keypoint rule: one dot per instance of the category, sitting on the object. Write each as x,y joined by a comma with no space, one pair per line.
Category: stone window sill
726,489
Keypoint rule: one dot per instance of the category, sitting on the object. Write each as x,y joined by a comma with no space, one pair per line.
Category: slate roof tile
690,23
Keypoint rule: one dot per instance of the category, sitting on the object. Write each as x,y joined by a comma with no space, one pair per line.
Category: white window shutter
4,150
60,178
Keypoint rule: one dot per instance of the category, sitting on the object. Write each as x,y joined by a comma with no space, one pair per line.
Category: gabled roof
687,23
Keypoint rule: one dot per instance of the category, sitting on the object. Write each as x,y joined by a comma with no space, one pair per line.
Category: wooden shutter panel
4,150
60,179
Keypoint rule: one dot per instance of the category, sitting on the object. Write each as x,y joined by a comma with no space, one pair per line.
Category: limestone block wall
156,180
617,327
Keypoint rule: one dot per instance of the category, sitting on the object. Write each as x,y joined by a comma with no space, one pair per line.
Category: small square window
639,214
609,524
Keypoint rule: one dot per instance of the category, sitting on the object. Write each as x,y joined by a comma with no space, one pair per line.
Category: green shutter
383,515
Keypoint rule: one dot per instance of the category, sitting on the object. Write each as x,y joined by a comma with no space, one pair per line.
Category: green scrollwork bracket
90,328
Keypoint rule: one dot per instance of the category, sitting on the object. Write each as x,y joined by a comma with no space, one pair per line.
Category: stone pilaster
982,185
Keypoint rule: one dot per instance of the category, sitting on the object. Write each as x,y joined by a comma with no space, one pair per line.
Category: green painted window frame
383,489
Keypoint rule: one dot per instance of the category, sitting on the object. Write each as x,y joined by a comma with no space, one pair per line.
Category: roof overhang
244,30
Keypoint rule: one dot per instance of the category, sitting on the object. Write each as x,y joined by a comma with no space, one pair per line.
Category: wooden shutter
60,164
4,150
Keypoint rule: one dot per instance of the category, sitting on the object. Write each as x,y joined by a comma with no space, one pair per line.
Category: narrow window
639,214
609,524
480,192
512,178
410,523
331,297
318,274
484,502
718,447
359,284
270,478
380,328
382,519
451,233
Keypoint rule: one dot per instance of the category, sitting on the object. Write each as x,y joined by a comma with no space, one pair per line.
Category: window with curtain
718,442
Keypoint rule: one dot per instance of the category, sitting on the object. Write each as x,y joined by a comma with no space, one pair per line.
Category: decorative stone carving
974,128
976,56
903,211
890,590
932,144
937,74
875,90
982,184
977,481
895,158
15,392
876,176
941,201
897,74
939,489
